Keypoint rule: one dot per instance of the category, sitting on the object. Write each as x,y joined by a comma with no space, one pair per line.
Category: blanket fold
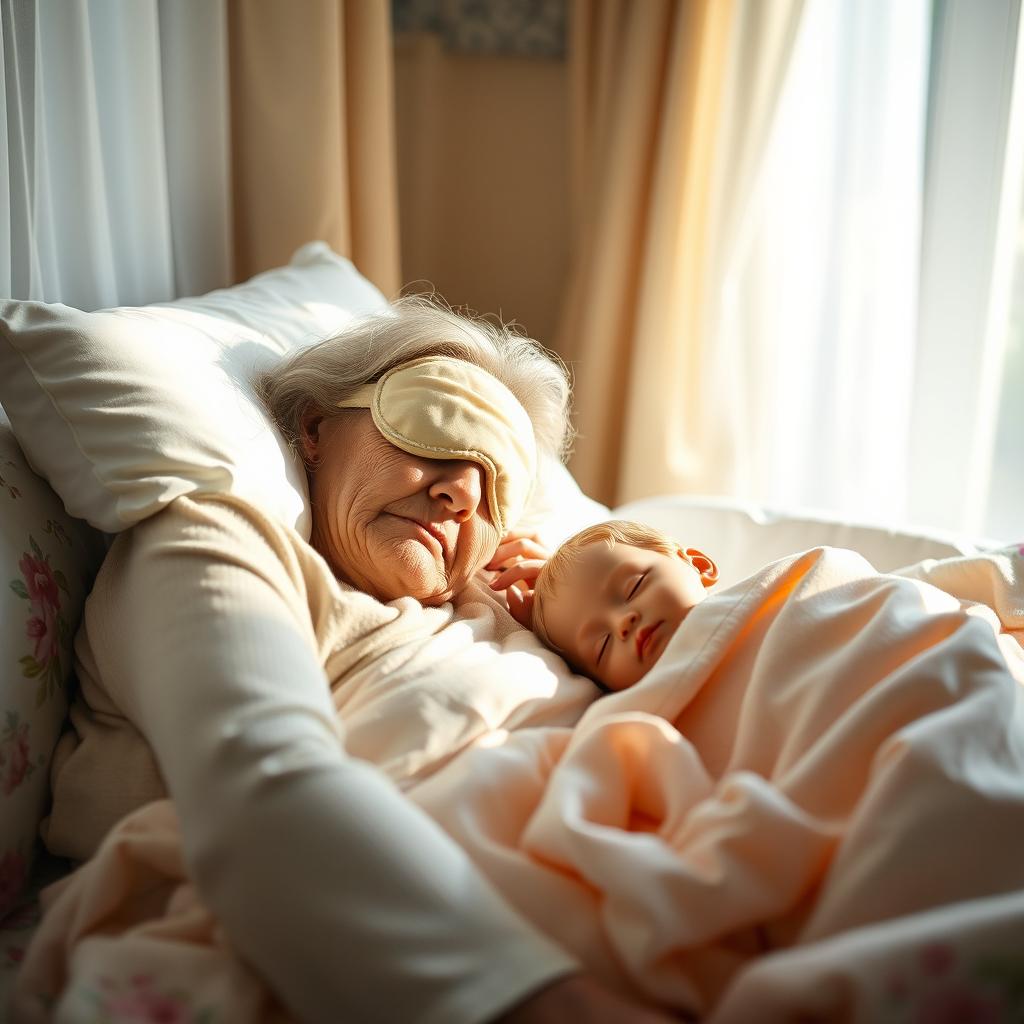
811,808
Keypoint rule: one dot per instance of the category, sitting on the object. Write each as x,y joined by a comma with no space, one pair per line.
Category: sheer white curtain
814,321
114,150
761,56
965,467
862,295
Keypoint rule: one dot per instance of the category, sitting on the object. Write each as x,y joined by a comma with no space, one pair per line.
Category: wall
483,172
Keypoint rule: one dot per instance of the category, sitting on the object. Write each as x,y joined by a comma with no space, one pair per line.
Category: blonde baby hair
558,566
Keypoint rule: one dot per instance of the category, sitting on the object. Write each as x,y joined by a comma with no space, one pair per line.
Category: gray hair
322,375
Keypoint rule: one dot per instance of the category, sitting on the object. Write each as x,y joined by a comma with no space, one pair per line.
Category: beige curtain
672,103
313,133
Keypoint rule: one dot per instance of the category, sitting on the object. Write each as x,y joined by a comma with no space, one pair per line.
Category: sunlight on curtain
646,88
711,454
813,337
827,329
971,216
114,121
1003,509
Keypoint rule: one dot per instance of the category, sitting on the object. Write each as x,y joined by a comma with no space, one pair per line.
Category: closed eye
636,586
603,648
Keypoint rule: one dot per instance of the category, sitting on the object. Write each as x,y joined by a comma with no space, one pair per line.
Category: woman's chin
416,573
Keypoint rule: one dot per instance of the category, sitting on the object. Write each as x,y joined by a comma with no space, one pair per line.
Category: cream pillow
124,409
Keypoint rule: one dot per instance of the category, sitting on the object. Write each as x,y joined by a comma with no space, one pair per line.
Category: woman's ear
309,423
704,565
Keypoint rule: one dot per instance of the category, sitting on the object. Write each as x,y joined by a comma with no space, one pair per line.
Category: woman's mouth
645,640
431,536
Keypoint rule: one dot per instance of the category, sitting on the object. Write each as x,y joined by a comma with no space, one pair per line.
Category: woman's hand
515,546
518,562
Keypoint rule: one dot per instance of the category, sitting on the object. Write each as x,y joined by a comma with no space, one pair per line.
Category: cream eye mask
444,408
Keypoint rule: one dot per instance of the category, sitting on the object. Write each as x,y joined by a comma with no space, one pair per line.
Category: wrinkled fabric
824,760
811,807
282,712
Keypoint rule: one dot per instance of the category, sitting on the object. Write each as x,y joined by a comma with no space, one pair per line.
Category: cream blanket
811,808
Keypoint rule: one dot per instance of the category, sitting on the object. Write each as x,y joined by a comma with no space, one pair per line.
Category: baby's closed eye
635,585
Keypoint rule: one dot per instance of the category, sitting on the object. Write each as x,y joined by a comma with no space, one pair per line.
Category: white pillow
743,538
124,409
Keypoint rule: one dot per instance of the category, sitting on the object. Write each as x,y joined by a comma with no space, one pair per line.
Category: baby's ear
705,566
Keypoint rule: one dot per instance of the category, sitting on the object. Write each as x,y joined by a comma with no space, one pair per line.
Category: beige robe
221,661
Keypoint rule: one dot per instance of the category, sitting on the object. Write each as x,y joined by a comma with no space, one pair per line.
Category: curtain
672,102
814,324
313,117
966,456
113,150
713,453
166,147
646,83
742,318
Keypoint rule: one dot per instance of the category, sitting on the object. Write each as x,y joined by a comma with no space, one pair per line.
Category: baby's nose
626,624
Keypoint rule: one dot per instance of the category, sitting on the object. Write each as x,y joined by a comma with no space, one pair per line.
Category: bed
66,488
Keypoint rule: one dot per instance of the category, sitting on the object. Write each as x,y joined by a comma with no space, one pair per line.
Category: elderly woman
214,635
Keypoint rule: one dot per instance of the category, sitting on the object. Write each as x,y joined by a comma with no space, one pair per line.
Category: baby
609,599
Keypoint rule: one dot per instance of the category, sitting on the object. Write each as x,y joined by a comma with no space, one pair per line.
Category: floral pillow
47,561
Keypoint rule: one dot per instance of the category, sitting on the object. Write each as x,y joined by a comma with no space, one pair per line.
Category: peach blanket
812,808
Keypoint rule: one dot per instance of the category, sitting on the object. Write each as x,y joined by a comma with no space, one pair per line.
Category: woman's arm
349,900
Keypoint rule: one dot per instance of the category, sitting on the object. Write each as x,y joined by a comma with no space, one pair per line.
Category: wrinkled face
618,607
388,522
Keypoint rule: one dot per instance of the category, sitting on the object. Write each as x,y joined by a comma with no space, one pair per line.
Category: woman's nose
459,488
626,624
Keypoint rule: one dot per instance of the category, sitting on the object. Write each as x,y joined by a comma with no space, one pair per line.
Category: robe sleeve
347,899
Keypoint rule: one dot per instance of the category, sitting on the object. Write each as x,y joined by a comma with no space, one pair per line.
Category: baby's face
617,609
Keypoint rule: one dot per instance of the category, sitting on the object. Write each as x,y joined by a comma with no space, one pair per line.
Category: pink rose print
44,599
15,765
42,587
945,986
45,637
139,1001
13,870
46,628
